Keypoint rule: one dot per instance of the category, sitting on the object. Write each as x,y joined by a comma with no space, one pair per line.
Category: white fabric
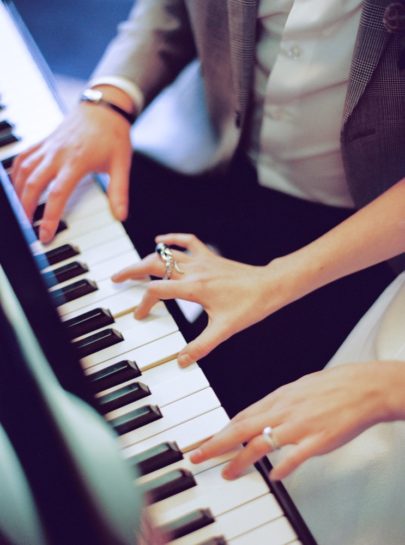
302,67
355,495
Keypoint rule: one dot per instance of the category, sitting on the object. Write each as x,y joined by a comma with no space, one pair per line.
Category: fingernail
184,360
227,474
121,212
45,235
196,456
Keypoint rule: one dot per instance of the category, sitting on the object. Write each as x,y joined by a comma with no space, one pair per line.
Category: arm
314,415
371,235
151,48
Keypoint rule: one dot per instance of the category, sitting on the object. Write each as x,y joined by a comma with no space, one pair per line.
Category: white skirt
356,494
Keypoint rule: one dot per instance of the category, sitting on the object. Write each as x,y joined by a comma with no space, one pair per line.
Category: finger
15,167
157,290
231,436
118,187
293,459
184,240
251,453
58,195
202,345
34,185
26,168
150,265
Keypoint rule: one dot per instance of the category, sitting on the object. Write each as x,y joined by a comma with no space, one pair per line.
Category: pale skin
353,397
90,139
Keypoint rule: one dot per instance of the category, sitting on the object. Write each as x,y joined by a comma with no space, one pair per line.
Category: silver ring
268,436
166,255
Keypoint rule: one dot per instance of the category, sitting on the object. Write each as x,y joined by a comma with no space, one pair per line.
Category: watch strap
92,97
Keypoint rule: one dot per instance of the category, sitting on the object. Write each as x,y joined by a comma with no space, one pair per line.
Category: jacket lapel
371,40
242,32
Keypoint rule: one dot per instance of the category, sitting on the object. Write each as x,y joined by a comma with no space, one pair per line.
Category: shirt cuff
130,88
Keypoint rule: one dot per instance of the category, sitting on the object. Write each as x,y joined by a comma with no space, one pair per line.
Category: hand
315,414
232,293
90,139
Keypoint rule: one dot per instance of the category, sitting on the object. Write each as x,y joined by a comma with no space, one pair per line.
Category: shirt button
294,52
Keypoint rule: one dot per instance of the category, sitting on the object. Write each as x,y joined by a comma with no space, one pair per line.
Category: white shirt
303,60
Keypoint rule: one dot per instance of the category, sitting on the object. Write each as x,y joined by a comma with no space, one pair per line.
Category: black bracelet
95,96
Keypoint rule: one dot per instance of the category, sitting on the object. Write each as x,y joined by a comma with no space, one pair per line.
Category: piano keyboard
159,411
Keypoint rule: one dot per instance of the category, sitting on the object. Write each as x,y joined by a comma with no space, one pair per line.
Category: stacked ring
268,436
166,255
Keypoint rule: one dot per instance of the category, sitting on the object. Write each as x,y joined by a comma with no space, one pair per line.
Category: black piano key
123,396
6,126
61,253
88,322
114,375
136,419
62,226
157,457
7,163
73,291
169,484
8,138
98,341
217,540
66,272
39,212
188,523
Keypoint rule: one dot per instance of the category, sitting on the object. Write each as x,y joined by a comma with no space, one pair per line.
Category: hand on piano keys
159,411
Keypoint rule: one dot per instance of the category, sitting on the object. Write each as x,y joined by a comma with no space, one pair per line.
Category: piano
127,370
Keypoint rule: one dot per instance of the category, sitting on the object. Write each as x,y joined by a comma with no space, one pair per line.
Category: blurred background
72,35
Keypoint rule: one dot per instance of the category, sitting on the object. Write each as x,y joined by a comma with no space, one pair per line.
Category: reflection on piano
158,411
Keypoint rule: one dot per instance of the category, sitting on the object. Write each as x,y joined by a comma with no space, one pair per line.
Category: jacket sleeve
151,47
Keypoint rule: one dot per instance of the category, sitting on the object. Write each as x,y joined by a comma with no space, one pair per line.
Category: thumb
209,339
118,187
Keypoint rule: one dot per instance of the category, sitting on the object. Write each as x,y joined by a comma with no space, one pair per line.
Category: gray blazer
197,123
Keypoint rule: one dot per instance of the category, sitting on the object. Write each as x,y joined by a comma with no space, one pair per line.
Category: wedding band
268,436
166,255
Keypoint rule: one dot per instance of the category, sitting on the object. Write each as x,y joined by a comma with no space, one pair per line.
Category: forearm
372,235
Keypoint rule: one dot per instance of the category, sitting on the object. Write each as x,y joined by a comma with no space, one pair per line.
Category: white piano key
213,491
185,463
87,199
111,232
168,392
276,532
148,355
186,434
99,271
174,414
116,297
238,522
145,331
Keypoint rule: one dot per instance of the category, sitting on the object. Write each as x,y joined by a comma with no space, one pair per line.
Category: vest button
394,17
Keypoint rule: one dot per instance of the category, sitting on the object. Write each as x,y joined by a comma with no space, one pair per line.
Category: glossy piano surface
130,366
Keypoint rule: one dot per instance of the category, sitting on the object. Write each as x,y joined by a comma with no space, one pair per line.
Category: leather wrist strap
95,96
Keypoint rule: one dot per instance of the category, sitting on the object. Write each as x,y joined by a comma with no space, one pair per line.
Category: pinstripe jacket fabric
206,109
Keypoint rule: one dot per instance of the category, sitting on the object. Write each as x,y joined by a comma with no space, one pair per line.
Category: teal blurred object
66,452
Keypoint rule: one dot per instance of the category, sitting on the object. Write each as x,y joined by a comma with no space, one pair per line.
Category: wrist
111,98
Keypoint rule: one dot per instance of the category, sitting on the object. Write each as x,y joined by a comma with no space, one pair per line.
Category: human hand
232,293
315,415
90,139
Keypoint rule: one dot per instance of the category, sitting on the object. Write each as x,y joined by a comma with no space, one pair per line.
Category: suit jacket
205,110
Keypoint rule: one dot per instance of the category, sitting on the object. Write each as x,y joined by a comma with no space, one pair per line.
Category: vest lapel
370,43
242,32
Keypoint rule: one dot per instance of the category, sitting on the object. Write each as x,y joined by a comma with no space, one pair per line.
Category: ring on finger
166,255
270,438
